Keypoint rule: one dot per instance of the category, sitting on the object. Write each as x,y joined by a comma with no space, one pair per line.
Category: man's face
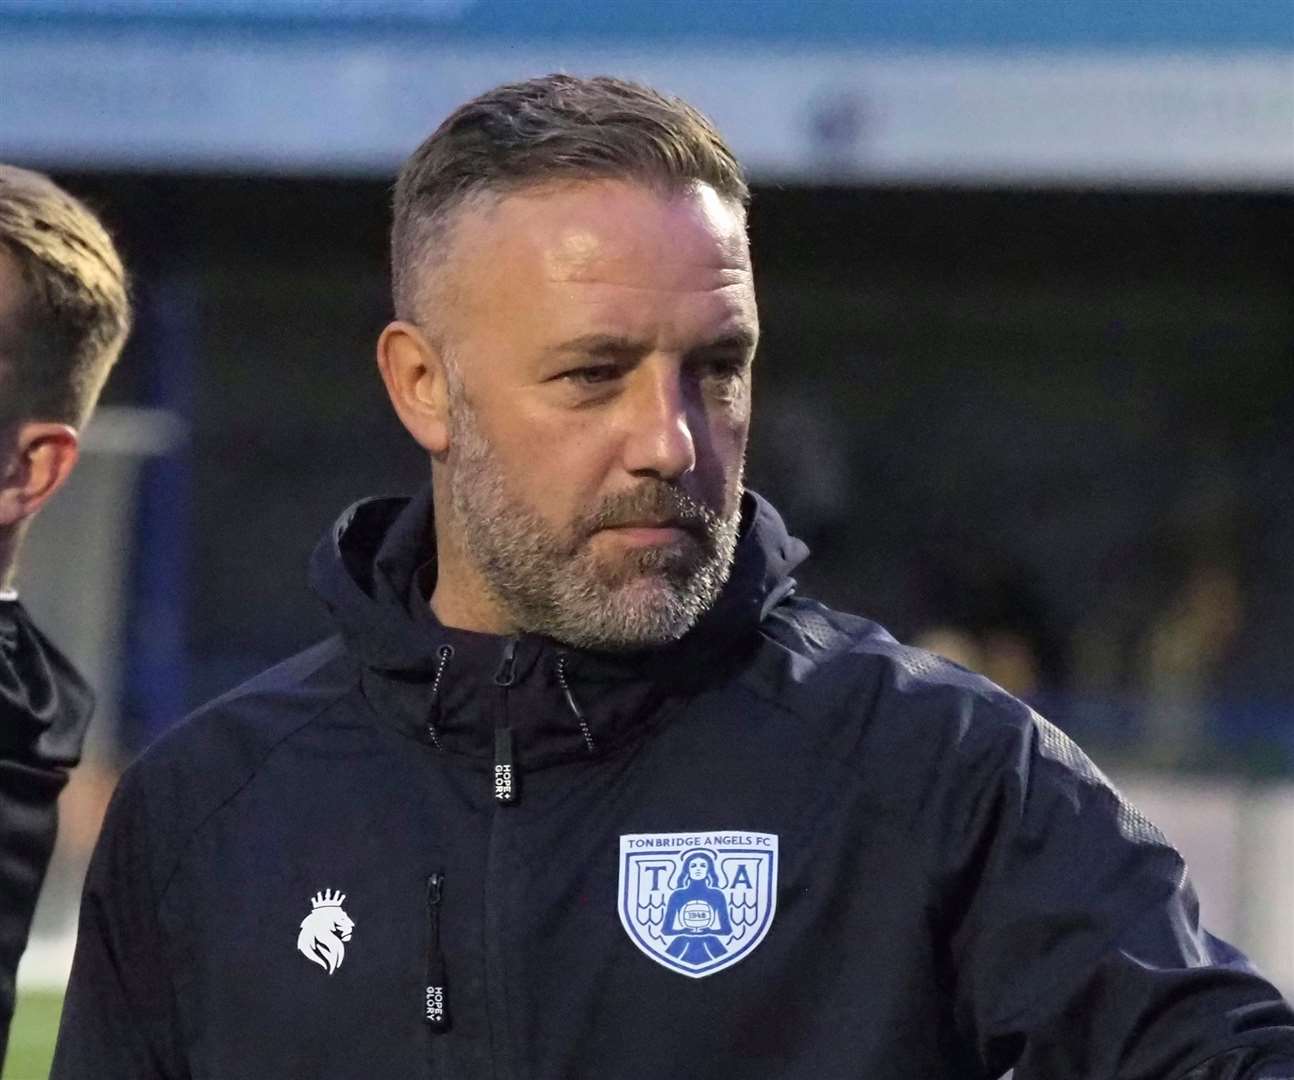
601,337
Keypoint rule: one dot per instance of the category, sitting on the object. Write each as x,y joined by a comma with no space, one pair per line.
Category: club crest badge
325,930
698,902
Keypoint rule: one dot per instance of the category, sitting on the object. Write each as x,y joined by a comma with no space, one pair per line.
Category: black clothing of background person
44,709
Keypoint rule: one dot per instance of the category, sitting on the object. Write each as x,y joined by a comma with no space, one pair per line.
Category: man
582,788
64,315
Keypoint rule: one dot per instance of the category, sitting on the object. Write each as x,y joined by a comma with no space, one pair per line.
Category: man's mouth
648,523
648,533
653,518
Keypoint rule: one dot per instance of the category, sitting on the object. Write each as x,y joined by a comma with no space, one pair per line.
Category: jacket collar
45,705
427,677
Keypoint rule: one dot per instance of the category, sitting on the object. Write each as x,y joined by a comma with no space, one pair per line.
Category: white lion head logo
324,930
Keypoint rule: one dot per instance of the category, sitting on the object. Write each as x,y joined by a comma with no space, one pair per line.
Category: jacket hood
368,567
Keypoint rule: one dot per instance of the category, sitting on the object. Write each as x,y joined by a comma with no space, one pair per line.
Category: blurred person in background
1185,646
64,315
582,787
984,611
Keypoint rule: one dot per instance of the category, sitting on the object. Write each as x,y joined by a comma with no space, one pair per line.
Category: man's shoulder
835,647
909,722
201,763
849,676
253,717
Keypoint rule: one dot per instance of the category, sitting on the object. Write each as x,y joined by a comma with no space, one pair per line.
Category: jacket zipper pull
506,674
505,772
436,1003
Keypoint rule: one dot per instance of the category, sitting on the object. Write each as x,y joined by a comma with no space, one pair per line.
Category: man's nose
660,440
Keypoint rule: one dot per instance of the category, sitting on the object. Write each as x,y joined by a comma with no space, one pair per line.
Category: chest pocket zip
436,1001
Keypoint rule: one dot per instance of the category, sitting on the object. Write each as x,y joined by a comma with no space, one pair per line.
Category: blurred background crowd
1027,284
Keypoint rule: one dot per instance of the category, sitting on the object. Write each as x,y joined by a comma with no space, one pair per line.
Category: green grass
31,1036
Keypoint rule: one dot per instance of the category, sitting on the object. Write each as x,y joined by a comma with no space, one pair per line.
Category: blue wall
959,24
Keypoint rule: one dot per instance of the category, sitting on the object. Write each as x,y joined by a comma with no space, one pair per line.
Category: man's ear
413,369
36,464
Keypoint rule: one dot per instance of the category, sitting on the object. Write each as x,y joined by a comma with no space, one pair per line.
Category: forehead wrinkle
734,333
657,287
560,266
587,261
622,304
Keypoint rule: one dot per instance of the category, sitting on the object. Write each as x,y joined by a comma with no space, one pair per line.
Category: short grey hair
554,128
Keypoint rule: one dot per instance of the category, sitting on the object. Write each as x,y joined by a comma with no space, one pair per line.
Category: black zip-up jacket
45,707
785,847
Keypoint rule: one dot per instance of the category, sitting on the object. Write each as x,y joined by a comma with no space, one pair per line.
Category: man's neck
462,601
460,598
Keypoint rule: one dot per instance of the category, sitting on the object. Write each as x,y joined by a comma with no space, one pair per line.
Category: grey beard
553,584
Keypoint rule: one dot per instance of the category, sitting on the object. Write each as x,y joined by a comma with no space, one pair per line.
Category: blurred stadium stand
1028,368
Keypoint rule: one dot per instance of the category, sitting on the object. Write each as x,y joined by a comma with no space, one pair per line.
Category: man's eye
723,372
593,374
723,367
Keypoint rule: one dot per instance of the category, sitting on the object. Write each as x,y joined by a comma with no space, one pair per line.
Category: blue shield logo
698,902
